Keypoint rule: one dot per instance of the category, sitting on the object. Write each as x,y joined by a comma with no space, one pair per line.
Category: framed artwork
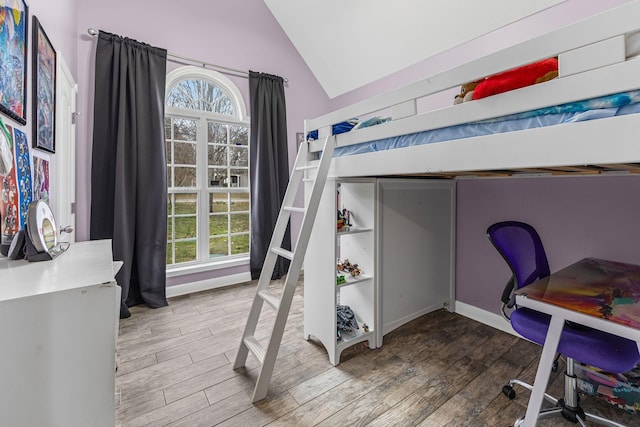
40,179
23,173
44,89
13,59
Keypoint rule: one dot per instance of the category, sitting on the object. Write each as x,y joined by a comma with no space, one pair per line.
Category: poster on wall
23,173
9,204
40,179
13,59
44,89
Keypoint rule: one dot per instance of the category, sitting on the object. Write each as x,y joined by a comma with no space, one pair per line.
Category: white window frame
241,118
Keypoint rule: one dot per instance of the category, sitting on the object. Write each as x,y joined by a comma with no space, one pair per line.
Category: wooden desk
601,294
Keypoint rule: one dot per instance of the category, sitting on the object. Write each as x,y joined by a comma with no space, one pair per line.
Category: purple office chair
521,247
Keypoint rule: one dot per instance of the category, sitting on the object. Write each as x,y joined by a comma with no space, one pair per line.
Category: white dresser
58,329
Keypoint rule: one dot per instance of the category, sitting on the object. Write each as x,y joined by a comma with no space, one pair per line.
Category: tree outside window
207,143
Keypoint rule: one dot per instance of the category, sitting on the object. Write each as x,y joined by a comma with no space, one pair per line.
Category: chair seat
606,351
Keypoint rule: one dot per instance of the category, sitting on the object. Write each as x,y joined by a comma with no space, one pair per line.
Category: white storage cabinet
58,326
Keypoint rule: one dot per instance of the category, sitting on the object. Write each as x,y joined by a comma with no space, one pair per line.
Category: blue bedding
590,109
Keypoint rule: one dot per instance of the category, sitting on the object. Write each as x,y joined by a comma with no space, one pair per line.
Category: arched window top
193,88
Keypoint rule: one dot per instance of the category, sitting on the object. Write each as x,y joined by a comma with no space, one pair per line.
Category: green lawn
186,228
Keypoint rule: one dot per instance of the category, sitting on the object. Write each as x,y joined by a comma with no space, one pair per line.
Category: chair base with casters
568,408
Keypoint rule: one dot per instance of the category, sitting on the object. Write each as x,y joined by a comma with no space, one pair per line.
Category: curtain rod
93,32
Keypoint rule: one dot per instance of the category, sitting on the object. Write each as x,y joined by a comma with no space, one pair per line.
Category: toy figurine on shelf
365,328
344,220
340,279
347,267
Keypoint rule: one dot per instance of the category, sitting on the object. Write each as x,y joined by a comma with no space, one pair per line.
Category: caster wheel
509,392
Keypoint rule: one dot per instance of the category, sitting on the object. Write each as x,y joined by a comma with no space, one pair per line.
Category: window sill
183,270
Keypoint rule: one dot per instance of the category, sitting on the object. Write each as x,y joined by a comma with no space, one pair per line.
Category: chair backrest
521,247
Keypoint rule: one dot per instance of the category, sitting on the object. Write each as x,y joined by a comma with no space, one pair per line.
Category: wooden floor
442,369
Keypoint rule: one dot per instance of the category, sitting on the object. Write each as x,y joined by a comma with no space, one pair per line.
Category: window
207,143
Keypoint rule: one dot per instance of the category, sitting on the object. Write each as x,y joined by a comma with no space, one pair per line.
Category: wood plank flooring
442,369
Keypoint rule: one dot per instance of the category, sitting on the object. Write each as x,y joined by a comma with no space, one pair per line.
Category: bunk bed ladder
302,171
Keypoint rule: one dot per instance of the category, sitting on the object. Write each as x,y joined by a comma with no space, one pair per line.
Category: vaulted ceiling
349,43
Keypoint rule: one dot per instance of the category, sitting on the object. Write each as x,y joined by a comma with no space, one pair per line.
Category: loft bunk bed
598,65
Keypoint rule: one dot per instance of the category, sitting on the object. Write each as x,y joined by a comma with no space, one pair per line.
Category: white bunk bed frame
606,144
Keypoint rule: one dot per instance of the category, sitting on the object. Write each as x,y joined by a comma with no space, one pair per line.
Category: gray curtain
128,172
268,167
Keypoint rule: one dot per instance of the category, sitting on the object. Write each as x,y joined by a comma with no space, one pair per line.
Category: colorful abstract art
9,197
23,173
600,288
40,179
13,59
44,89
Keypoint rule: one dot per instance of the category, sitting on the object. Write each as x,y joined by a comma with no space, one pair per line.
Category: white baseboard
205,285
479,315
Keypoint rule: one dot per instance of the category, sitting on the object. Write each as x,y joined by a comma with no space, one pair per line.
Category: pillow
517,78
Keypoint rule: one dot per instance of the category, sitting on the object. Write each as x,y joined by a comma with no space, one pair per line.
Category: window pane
239,202
217,177
184,95
218,155
239,178
185,251
185,227
239,222
240,244
239,156
215,99
239,135
169,253
185,177
168,151
218,224
217,133
184,130
218,246
186,204
169,177
167,128
184,153
218,202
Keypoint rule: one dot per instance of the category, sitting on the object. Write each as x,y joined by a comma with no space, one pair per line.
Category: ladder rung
304,168
293,209
283,253
255,348
270,299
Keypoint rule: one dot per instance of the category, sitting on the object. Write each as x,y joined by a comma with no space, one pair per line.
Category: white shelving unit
402,237
357,244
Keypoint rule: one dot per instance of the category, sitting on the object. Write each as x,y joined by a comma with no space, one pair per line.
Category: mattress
590,109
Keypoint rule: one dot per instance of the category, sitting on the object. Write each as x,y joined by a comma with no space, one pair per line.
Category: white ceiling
349,43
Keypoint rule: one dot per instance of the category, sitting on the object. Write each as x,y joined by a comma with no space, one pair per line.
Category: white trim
181,270
205,285
184,73
486,317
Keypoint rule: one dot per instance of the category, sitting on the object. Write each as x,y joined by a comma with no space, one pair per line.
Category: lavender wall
243,34
240,34
576,217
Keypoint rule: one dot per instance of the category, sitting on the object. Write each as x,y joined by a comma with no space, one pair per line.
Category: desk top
596,287
84,264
